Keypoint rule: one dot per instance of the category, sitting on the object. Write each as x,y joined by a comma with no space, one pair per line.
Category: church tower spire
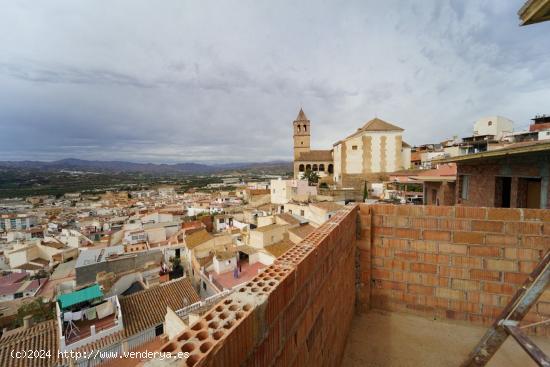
302,134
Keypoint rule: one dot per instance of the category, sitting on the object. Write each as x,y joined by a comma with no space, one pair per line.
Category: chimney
27,321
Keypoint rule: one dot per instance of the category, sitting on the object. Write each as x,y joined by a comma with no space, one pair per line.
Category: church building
373,150
306,159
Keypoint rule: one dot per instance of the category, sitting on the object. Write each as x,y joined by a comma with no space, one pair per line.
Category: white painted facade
223,266
493,125
283,191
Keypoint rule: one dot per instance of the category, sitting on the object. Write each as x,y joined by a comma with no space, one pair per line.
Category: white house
497,126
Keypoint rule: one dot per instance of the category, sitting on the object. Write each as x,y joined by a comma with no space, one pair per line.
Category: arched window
322,167
330,169
299,128
301,168
315,167
308,167
305,128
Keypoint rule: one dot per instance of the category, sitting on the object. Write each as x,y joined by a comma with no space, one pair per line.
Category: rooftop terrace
441,275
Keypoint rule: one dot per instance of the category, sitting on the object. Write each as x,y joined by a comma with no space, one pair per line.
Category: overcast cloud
204,81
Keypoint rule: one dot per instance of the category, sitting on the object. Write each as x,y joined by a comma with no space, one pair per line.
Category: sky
222,81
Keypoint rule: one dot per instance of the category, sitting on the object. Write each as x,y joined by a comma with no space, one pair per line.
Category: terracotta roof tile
316,156
197,238
301,116
279,248
147,308
375,124
328,205
41,336
302,231
288,218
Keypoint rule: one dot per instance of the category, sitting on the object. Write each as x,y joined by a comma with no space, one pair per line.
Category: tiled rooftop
147,308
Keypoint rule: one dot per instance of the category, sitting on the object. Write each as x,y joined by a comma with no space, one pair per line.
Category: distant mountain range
72,164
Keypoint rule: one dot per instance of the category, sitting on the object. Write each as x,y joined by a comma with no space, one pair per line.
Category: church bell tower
302,134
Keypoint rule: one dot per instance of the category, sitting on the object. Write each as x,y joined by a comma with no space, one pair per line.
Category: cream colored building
267,235
377,147
283,191
315,213
374,149
496,126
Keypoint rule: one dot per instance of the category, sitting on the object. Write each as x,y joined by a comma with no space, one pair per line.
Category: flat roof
92,256
514,149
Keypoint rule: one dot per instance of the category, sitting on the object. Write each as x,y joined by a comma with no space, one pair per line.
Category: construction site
391,285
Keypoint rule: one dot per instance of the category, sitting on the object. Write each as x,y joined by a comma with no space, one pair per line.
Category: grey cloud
205,81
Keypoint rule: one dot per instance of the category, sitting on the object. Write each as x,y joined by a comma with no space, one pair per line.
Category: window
159,330
330,168
302,213
490,123
315,167
354,147
464,187
322,167
305,127
301,168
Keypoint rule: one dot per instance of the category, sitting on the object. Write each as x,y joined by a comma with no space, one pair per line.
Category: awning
83,295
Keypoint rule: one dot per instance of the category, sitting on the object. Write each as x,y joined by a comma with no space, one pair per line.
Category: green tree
39,311
177,268
40,274
365,192
311,176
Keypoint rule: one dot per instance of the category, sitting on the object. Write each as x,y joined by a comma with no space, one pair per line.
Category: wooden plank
531,348
516,310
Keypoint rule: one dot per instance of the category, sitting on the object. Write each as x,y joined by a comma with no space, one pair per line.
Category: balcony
77,333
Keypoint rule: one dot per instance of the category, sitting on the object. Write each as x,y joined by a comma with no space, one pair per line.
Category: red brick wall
482,180
297,312
460,263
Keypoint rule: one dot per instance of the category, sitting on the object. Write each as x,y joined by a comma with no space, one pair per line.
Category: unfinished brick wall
461,263
296,312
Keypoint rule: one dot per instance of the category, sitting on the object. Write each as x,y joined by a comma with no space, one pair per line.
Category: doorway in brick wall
529,189
503,190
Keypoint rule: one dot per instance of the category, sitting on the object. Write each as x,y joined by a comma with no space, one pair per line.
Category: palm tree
311,176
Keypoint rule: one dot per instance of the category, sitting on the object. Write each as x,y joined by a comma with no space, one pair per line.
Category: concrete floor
387,339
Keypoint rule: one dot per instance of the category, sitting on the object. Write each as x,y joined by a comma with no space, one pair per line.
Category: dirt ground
384,339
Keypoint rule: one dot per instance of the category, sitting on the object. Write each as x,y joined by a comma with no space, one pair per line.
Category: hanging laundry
77,315
104,310
90,313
